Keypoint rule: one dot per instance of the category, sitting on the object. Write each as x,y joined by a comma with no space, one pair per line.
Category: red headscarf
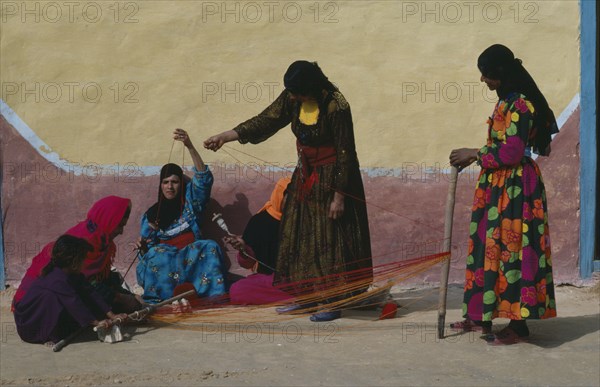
102,219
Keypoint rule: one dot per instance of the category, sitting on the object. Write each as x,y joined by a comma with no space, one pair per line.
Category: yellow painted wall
408,69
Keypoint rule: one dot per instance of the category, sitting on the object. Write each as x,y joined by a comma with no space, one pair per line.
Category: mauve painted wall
405,213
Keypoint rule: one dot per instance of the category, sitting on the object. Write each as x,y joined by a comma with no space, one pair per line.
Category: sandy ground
355,350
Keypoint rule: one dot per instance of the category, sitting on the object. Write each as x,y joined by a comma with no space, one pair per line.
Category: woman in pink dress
257,251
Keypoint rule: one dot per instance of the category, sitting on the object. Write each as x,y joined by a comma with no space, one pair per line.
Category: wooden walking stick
447,247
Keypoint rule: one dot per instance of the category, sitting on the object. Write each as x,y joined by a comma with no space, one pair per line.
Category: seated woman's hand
235,241
141,245
102,324
116,318
181,135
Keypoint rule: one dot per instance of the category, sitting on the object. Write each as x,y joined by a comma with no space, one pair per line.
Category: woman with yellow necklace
324,227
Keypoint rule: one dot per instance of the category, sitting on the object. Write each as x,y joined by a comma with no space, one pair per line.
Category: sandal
326,316
506,336
468,325
294,308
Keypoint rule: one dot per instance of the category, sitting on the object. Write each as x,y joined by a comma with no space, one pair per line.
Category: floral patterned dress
165,266
509,266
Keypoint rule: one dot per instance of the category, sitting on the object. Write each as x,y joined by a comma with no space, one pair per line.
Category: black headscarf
499,63
306,78
262,234
164,212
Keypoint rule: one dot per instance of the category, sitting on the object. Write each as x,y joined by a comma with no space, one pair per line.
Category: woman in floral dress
509,266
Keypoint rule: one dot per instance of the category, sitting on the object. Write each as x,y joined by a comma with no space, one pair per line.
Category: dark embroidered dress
313,245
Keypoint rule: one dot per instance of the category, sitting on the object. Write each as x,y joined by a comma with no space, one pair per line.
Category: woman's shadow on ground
548,333
551,333
554,332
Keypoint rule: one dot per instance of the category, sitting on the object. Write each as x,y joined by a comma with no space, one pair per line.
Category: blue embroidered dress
165,266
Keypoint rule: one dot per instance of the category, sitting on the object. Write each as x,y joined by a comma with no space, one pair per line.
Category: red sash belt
311,157
182,240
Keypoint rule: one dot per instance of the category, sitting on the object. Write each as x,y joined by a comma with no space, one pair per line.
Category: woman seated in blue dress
172,250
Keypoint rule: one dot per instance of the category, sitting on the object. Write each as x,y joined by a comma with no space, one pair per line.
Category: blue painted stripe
588,138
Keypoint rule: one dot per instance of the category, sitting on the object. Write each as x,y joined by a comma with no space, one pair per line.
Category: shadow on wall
236,216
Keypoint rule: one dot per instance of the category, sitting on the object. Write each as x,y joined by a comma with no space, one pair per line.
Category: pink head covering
102,219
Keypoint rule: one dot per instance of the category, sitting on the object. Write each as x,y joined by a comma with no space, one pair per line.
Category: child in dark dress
61,300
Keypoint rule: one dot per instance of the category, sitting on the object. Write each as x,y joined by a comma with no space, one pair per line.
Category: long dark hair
164,212
499,63
68,252
307,79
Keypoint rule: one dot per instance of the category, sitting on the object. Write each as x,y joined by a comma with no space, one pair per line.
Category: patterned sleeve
509,131
340,119
198,190
267,123
148,233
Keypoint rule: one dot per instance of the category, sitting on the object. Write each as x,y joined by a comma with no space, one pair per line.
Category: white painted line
45,151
